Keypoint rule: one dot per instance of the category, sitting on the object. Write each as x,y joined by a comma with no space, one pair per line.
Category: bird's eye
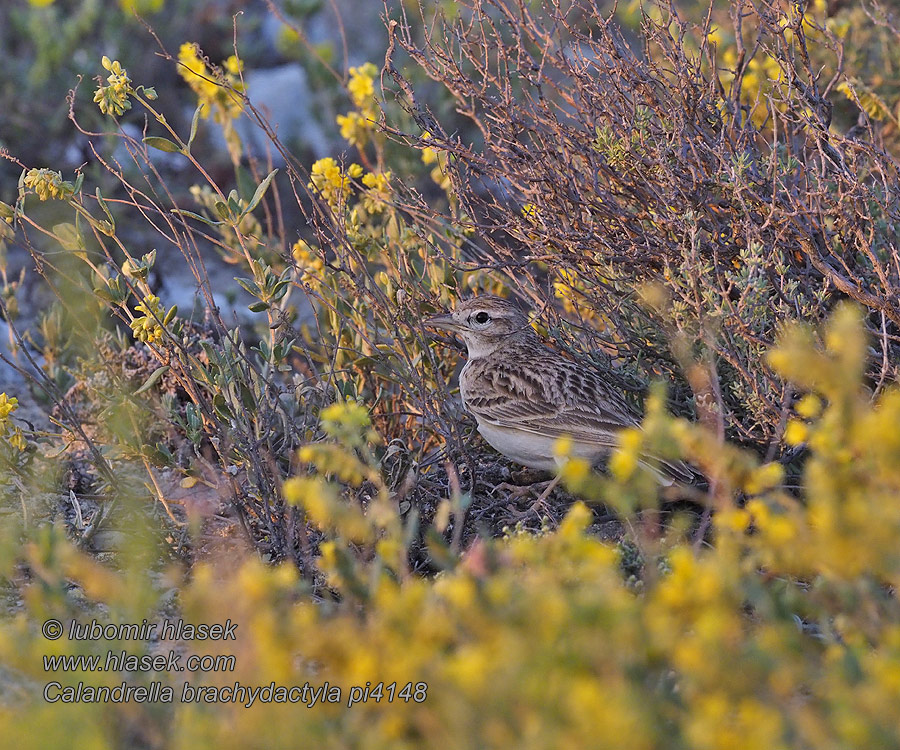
482,317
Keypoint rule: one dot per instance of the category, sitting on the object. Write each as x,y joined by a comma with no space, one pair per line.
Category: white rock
282,95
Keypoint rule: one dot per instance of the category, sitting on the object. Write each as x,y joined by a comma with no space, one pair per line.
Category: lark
525,396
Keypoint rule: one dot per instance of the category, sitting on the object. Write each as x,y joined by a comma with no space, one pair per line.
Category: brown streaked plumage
525,396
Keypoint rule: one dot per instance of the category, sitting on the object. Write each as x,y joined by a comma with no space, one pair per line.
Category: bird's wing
557,398
552,400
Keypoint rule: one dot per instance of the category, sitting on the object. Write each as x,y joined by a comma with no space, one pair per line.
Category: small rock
108,540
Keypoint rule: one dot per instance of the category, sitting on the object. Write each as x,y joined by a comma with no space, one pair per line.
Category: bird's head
485,323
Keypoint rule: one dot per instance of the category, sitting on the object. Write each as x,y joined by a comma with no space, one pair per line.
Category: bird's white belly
529,449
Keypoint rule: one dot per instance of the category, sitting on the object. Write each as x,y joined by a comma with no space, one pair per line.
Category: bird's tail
675,473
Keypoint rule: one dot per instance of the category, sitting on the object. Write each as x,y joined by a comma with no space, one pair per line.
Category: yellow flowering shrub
437,160
358,124
10,433
219,91
378,191
219,98
780,633
369,232
309,262
331,182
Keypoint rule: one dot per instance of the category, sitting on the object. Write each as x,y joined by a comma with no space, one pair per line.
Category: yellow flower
810,406
780,530
562,448
234,65
575,472
357,125
354,128
148,327
17,440
362,85
624,461
622,465
328,510
429,155
735,519
439,172
796,432
113,99
333,459
329,181
346,414
576,521
310,263
220,94
678,588
764,478
7,406
379,191
48,184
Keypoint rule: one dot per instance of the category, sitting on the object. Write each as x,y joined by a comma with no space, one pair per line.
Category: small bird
525,396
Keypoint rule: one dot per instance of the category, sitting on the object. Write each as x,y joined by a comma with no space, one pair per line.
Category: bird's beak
445,321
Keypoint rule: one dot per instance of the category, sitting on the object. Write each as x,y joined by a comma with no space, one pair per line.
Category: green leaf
260,191
245,182
110,228
258,306
222,210
279,289
195,121
263,349
247,399
221,407
112,290
867,99
153,379
249,285
162,144
67,236
198,217
161,455
104,294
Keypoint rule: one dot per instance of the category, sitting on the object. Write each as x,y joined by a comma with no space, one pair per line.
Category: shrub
680,197
671,229
781,634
